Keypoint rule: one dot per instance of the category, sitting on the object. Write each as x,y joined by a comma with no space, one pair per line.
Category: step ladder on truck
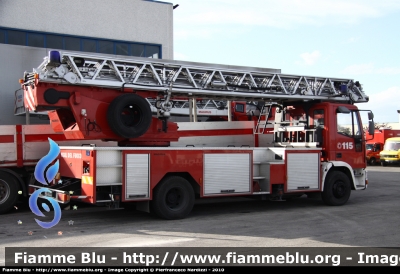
300,144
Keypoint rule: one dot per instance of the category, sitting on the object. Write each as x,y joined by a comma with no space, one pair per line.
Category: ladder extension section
205,107
192,80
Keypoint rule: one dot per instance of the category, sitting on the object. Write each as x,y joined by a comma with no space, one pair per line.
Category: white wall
128,20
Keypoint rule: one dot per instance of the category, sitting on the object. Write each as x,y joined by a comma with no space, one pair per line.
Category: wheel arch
329,167
187,176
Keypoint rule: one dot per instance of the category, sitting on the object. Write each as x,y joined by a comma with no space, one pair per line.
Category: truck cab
339,132
372,152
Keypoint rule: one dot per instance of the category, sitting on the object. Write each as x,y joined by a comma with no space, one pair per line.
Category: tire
129,115
372,161
9,187
173,198
337,189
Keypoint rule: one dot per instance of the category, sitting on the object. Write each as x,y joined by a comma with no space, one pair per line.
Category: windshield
370,146
392,145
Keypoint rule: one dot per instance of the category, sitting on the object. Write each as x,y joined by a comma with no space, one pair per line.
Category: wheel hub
173,198
131,116
4,191
339,189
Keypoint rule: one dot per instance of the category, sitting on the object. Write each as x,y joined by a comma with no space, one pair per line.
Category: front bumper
390,161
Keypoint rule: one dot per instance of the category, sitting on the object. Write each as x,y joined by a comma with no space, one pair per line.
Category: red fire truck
298,144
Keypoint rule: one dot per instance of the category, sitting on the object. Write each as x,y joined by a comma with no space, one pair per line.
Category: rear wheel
129,115
9,187
173,198
337,189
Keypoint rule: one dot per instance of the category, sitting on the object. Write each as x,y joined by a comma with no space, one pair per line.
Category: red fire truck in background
299,142
376,142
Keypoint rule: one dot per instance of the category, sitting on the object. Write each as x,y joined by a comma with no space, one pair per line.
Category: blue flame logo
45,173
45,162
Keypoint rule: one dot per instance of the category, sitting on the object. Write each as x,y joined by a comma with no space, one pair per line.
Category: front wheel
372,161
173,198
337,189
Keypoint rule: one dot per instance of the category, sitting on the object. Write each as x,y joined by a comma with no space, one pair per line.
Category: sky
352,39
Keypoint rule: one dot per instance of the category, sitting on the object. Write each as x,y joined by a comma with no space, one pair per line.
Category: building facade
29,29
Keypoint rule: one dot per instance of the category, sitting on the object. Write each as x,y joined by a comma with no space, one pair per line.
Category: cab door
347,142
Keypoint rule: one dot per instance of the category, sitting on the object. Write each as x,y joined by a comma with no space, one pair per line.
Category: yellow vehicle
391,151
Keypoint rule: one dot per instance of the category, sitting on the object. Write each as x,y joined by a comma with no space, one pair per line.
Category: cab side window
348,124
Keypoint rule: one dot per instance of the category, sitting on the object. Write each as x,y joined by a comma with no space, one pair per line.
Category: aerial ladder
78,88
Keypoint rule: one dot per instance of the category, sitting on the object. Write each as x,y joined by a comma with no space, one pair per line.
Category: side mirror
371,128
